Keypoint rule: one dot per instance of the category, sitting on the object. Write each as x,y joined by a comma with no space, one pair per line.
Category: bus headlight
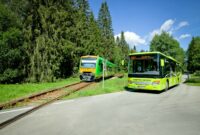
156,82
130,81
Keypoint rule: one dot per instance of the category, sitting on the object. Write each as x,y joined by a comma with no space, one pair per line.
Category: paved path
174,112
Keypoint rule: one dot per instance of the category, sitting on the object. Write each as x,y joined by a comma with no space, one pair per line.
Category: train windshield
144,66
88,62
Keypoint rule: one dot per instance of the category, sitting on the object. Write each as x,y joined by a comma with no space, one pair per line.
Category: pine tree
47,38
94,33
134,48
124,45
125,48
105,24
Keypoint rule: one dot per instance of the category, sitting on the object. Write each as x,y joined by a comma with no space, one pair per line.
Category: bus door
169,73
174,74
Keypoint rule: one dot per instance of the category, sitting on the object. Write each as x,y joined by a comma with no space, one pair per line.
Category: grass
13,91
194,84
111,85
193,80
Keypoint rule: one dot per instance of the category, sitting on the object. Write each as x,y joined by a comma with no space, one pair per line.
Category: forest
42,41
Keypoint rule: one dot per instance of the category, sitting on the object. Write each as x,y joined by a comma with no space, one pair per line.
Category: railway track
47,97
33,96
73,87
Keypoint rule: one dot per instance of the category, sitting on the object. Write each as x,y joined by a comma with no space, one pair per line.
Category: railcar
91,67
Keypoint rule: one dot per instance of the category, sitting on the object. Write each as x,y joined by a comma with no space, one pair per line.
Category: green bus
153,71
91,67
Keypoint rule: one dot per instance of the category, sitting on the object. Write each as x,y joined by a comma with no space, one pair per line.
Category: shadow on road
148,91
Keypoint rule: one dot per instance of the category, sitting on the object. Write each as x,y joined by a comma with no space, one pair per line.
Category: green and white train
91,67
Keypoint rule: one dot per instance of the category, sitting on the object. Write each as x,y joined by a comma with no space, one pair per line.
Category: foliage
166,44
47,41
194,79
42,41
194,54
107,37
11,49
122,50
197,73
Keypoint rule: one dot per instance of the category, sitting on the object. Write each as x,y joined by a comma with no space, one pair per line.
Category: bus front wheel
167,86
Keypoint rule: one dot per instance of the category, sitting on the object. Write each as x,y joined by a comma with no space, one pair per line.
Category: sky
142,19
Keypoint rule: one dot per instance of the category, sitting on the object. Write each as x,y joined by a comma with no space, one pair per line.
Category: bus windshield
143,65
88,62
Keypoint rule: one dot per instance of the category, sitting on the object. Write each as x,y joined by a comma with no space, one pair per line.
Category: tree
168,45
49,36
125,49
11,49
43,40
121,51
107,37
193,53
134,48
123,44
94,33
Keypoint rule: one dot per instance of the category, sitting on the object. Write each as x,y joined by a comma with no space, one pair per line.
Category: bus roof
142,53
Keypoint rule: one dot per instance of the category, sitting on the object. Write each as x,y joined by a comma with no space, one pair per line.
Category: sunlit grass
13,91
193,80
110,86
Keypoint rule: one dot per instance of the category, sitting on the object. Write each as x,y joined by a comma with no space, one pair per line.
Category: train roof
90,56
101,58
142,53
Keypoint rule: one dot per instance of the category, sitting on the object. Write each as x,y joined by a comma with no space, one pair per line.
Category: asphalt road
174,112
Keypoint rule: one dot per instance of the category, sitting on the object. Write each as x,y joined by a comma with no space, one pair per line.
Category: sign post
103,72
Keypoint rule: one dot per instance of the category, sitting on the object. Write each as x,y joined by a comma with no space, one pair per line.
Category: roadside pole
122,63
105,69
103,73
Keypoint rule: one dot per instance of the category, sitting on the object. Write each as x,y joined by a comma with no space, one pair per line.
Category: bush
193,80
197,73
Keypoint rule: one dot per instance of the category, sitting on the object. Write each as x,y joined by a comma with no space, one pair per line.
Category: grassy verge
12,91
110,86
193,80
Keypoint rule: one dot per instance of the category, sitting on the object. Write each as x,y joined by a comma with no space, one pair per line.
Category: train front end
87,68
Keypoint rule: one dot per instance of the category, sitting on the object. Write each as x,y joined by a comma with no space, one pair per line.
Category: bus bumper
146,84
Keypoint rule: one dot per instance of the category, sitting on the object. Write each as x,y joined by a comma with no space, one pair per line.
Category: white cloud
183,36
132,38
167,26
182,24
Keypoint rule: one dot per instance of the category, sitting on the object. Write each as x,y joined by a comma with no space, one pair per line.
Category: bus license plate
141,86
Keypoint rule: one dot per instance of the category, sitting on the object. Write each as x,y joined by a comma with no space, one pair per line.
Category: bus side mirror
162,63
